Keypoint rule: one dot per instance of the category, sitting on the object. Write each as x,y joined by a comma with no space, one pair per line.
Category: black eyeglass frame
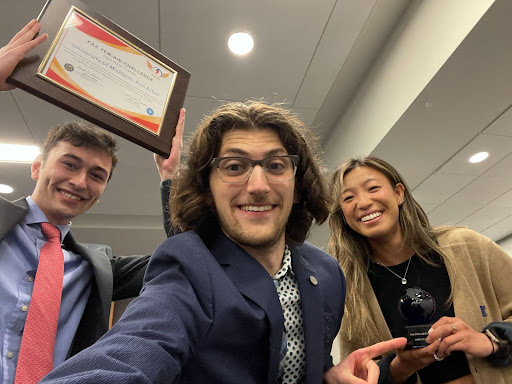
294,158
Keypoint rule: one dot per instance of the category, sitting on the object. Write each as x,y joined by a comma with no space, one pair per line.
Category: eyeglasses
237,170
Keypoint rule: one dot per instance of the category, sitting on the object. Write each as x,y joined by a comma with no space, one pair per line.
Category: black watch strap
503,345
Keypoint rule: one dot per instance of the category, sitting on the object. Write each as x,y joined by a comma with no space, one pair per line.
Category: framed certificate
93,68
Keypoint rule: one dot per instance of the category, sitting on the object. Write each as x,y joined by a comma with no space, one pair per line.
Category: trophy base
416,335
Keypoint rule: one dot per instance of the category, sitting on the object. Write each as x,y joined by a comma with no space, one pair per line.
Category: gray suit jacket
114,278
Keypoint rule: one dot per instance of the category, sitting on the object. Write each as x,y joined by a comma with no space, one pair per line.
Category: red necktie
35,359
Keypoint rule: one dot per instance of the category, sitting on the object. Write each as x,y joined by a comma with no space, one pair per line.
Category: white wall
429,33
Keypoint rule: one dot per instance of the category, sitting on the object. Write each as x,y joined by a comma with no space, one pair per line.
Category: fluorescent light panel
13,153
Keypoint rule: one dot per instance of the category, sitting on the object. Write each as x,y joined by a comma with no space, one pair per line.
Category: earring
400,203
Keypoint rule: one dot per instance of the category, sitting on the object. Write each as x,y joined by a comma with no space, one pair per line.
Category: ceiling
464,109
318,57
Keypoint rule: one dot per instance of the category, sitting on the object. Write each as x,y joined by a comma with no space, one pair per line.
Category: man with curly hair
239,296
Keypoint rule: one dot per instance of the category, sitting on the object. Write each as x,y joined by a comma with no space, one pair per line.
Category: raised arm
12,53
167,168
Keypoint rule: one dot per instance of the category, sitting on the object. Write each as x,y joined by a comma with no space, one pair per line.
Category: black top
435,280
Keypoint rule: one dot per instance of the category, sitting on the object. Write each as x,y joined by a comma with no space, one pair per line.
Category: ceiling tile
500,230
17,175
438,187
504,201
427,207
383,20
486,217
13,129
285,34
130,191
347,19
502,125
307,116
40,115
15,14
197,109
482,191
140,18
497,146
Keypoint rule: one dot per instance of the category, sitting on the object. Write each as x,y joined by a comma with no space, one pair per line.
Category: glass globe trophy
417,308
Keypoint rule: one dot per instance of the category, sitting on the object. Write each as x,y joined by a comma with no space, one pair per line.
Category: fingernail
430,330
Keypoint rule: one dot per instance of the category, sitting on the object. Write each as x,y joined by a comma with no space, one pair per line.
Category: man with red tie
56,292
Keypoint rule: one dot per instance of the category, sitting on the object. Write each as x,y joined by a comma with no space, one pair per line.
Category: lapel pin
313,280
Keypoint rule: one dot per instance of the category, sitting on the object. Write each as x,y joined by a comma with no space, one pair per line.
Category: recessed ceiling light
240,43
4,188
18,153
478,157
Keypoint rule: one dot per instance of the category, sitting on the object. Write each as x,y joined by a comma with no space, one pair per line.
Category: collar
36,216
287,264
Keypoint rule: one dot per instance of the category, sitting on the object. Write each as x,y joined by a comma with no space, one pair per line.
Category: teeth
370,216
254,208
70,196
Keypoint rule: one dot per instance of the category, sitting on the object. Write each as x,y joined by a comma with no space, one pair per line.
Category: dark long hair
191,203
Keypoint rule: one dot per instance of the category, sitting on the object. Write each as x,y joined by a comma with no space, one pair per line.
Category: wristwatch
504,347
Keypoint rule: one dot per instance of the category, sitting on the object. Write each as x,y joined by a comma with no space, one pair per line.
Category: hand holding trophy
417,307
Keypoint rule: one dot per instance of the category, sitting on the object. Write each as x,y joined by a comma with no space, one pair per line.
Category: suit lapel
253,281
11,214
102,271
312,315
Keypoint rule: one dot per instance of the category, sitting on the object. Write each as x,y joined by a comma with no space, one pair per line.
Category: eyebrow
366,182
241,152
79,160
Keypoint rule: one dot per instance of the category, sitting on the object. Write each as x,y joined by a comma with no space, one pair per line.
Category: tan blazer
482,276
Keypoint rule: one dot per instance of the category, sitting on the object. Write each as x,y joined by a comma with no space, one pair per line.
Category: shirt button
24,308
9,355
30,278
313,280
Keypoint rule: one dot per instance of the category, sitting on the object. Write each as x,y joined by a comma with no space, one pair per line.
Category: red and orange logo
156,71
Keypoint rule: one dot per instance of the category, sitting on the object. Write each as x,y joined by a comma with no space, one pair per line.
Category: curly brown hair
191,203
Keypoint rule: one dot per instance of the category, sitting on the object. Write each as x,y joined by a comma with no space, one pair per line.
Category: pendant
404,280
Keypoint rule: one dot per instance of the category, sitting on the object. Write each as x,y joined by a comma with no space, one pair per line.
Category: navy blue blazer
211,314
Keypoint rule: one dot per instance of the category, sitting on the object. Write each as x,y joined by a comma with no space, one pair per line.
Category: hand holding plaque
417,308
16,49
97,70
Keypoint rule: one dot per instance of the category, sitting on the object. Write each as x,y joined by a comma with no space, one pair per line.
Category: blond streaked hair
354,253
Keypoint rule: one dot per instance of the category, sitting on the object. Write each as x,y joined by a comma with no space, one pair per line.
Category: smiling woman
385,245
